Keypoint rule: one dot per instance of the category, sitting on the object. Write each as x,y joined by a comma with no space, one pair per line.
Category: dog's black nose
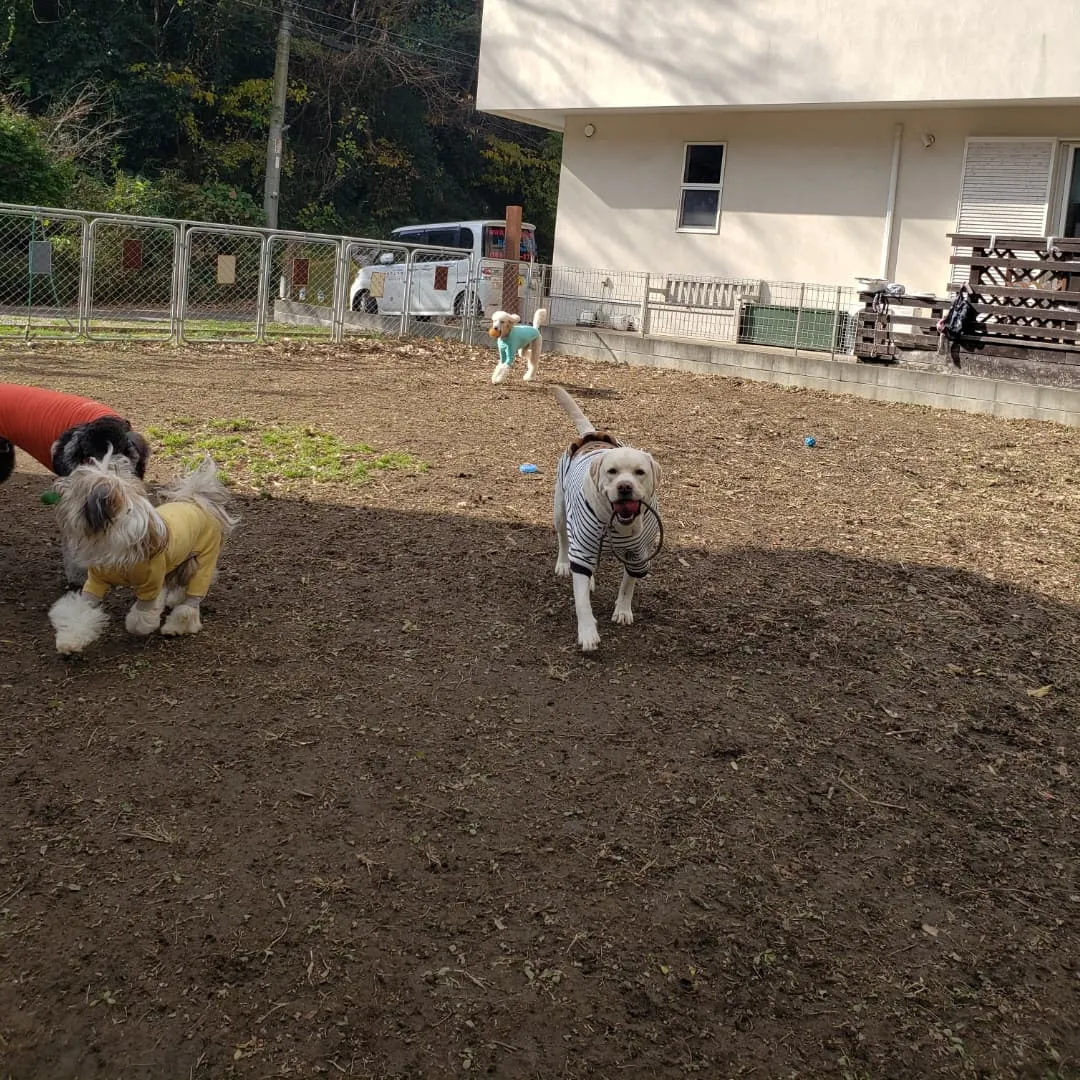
626,490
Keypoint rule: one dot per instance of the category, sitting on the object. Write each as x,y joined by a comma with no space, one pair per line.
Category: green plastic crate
774,324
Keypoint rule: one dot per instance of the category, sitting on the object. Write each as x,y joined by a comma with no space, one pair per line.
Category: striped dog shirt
588,533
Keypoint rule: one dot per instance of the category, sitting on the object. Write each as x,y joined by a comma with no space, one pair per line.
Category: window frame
685,186
1068,165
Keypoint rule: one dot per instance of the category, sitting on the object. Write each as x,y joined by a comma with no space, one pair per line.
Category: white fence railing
72,274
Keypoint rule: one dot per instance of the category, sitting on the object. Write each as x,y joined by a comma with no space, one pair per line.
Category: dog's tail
540,318
570,407
202,487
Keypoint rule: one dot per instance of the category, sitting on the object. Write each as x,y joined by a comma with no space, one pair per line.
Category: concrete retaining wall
841,375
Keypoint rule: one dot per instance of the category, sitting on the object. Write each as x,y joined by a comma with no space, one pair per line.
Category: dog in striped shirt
605,493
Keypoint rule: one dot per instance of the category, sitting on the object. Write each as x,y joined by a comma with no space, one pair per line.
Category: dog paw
589,638
182,620
78,623
623,616
562,569
500,373
142,622
528,376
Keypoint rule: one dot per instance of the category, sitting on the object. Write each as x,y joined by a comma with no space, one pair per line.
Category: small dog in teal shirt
517,340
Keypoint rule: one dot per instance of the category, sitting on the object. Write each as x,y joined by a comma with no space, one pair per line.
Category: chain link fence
303,276
222,284
132,280
789,315
106,276
437,294
369,307
42,267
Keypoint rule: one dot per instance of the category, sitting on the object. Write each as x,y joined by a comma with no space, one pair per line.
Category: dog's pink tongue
629,506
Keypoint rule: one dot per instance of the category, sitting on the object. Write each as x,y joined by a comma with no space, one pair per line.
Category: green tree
381,125
28,172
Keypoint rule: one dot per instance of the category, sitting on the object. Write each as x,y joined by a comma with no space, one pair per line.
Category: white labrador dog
604,492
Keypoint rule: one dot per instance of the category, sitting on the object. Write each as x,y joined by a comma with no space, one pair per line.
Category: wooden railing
884,325
1025,291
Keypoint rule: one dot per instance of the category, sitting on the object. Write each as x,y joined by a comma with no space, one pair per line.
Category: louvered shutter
1005,189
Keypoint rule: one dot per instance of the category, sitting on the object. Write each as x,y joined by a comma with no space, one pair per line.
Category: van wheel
365,302
459,306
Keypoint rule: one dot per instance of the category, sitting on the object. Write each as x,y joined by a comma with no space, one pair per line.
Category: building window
702,181
1071,224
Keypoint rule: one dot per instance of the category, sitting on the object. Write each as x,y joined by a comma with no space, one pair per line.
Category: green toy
50,498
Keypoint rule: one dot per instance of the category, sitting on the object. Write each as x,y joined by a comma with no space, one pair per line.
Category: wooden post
512,260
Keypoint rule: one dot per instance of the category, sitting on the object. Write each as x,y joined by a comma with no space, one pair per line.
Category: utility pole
511,267
272,188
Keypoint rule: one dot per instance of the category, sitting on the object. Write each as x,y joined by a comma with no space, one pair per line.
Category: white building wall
554,56
805,192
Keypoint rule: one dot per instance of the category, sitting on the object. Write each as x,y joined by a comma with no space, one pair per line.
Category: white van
440,283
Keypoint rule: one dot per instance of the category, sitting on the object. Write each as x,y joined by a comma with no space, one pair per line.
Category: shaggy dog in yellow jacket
167,554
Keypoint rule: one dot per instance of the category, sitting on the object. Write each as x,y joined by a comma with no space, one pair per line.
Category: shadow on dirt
381,813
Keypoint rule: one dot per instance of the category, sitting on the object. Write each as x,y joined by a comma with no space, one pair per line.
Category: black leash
659,521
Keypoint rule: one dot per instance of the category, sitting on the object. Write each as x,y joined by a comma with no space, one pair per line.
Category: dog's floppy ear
514,318
137,449
58,452
103,503
595,467
157,536
655,472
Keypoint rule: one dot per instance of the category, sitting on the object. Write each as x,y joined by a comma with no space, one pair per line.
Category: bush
28,173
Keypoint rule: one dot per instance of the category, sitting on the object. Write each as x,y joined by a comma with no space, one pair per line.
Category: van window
443,237
412,236
465,239
495,243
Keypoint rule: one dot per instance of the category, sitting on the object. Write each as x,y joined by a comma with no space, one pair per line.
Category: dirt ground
813,815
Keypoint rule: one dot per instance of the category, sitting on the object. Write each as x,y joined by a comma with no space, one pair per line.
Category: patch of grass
257,456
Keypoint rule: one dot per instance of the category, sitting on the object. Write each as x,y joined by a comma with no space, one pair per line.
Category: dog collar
593,437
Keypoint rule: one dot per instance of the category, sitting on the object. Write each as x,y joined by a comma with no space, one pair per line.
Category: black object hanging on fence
961,319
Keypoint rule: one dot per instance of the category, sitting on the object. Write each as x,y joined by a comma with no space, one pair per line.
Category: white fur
143,618
183,619
78,622
504,322
174,595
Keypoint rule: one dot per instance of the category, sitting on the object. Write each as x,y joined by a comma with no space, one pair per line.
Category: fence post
511,253
86,263
174,291
798,316
266,286
407,293
184,286
836,323
341,275
643,318
468,308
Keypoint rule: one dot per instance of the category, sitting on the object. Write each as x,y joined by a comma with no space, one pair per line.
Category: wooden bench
704,295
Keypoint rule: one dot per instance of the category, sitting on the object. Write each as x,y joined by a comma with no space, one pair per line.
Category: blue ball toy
528,468
810,441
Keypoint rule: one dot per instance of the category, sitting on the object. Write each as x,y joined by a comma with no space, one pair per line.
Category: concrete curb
842,375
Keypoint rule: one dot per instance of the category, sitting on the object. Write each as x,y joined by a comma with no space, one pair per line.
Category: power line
488,124
437,52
